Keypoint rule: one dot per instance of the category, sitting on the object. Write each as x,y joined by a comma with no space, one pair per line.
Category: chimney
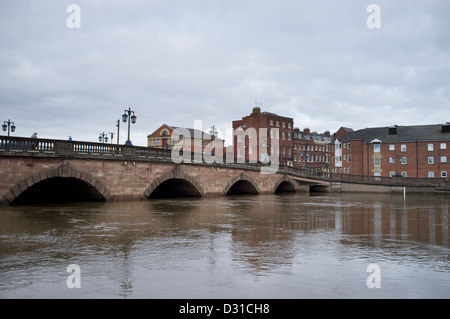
393,130
256,110
327,133
446,128
306,130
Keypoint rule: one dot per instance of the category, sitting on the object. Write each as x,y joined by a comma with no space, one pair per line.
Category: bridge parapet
23,146
37,146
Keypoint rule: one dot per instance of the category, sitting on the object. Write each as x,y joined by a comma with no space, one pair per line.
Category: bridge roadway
32,170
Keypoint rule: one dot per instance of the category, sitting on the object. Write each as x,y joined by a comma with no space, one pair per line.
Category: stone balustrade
23,146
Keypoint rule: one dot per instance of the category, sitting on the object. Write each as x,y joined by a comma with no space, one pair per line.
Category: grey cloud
178,61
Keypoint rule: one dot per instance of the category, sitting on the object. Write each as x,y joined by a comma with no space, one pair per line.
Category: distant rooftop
433,132
193,132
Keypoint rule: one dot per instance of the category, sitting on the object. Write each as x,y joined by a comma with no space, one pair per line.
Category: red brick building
421,151
250,144
312,150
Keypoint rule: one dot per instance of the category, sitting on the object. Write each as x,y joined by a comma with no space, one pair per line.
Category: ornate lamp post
129,116
103,138
8,125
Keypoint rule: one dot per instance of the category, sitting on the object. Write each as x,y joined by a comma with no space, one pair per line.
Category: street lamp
112,135
103,138
128,117
118,130
8,125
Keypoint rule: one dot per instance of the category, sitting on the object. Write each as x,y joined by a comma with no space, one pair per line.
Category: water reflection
273,246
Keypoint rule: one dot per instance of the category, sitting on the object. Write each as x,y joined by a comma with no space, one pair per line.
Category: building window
348,145
284,152
404,174
431,160
289,152
403,148
344,146
430,174
271,122
392,147
289,136
443,159
377,161
391,160
348,158
376,148
443,146
403,160
282,135
289,125
430,147
283,124
444,174
391,174
278,123
345,157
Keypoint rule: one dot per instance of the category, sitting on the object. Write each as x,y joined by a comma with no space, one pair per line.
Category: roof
276,115
193,132
404,134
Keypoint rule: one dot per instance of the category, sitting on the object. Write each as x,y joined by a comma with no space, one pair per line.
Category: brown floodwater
264,246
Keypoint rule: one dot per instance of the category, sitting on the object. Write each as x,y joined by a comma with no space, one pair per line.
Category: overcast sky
177,61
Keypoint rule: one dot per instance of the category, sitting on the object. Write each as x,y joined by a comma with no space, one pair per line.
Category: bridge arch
64,176
243,184
183,184
284,185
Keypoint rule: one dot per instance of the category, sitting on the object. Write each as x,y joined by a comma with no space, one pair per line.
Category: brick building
312,150
164,137
249,144
411,151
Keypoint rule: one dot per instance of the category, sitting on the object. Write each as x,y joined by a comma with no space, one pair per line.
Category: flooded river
265,246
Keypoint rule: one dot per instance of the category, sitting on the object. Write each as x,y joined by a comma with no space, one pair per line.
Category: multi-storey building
411,151
167,136
255,134
312,150
261,131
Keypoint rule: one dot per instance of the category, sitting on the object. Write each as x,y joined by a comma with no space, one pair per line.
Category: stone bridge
34,170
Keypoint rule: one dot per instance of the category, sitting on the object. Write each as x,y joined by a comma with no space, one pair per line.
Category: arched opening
285,187
57,190
242,187
175,187
318,189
